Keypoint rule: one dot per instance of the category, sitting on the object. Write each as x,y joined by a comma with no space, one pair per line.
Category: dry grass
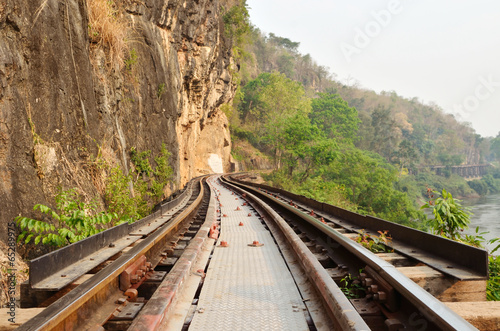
108,29
39,11
20,272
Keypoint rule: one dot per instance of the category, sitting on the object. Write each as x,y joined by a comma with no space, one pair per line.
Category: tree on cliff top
237,25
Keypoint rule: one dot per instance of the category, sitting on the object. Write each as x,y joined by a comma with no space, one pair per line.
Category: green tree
385,135
286,65
270,101
283,97
450,217
237,26
369,182
479,186
305,147
495,147
251,107
493,181
334,116
449,160
405,155
284,43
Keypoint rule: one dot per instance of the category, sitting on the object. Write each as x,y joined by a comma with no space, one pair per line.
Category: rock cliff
70,93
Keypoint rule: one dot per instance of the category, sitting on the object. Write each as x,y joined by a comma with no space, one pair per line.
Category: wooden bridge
466,171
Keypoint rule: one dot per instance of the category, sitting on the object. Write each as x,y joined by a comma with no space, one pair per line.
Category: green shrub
351,287
493,287
449,216
456,185
71,221
118,197
132,60
149,182
141,162
161,90
492,182
376,244
479,186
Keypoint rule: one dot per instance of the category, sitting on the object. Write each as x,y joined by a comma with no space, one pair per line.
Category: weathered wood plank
483,315
396,259
444,288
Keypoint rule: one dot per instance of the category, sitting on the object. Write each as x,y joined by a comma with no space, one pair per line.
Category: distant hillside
404,131
340,143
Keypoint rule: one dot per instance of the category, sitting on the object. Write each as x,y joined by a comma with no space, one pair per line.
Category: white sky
445,51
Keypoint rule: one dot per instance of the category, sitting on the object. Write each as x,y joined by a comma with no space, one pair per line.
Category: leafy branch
75,221
450,217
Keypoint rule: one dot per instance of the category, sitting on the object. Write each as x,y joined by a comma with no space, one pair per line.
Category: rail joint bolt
381,297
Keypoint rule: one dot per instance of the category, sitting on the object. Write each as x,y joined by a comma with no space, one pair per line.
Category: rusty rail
62,314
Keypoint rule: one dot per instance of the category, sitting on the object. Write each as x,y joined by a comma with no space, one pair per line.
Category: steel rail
155,314
338,306
55,315
434,310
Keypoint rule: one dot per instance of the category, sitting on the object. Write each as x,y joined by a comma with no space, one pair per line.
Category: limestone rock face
65,103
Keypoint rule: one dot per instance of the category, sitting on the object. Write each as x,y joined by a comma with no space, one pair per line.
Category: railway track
110,294
132,278
390,300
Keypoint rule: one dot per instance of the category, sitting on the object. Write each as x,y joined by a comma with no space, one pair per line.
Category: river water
486,216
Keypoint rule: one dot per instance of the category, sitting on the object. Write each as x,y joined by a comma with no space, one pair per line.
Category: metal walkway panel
247,288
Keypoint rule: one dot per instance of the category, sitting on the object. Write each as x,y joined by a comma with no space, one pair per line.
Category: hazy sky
445,51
